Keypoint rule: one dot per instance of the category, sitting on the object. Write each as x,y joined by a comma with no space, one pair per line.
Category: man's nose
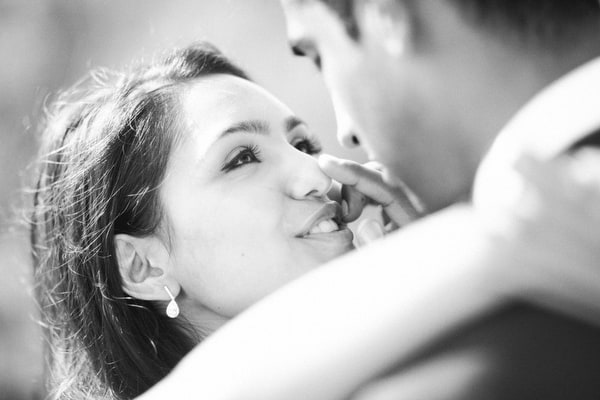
348,138
346,135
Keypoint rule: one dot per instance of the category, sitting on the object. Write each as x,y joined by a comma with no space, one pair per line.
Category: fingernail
344,208
325,158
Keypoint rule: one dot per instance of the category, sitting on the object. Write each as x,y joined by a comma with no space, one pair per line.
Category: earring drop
172,308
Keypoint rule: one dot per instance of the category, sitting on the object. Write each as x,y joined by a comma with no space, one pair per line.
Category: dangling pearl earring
172,308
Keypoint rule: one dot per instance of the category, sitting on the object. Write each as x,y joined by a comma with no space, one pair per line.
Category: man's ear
143,265
387,22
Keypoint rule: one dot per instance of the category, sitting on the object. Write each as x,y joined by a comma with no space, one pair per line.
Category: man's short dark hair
547,24
543,24
345,10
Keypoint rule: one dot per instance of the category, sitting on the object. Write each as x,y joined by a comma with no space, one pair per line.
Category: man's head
425,85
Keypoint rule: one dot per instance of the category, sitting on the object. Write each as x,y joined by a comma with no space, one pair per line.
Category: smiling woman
170,198
241,196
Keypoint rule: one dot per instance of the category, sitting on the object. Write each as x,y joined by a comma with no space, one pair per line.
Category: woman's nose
306,180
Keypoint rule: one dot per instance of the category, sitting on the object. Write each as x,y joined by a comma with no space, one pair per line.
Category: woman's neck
204,320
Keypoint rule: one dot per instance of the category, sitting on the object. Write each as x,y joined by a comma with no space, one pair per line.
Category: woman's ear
386,22
143,265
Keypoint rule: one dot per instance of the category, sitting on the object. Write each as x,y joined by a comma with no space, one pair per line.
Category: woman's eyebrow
291,122
250,126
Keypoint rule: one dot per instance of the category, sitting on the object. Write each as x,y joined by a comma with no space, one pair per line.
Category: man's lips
326,219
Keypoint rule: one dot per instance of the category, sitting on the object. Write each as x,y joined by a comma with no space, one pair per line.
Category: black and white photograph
300,199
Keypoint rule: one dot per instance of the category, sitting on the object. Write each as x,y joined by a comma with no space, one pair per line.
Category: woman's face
244,199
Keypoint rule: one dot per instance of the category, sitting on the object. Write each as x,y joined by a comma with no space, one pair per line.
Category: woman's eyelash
309,146
246,155
251,153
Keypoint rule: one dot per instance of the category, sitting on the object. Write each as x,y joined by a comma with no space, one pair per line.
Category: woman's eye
308,146
246,155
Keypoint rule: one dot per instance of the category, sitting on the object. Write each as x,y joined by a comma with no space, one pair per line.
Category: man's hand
363,185
550,224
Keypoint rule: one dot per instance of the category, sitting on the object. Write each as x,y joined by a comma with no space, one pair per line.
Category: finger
355,203
377,166
395,201
561,178
335,193
351,173
546,176
559,199
586,168
561,187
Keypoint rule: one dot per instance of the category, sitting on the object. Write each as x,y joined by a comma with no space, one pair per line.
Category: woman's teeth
326,226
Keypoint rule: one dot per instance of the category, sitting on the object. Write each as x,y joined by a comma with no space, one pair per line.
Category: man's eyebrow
249,126
292,122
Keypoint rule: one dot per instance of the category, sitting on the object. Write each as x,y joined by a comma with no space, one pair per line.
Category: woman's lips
324,228
340,233
323,220
333,243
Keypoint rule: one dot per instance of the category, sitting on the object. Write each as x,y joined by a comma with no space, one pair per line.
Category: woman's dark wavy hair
105,148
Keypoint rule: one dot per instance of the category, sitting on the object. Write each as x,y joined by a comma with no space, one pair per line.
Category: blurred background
47,45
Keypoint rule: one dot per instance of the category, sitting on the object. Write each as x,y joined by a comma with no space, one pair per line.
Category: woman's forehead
213,103
220,89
